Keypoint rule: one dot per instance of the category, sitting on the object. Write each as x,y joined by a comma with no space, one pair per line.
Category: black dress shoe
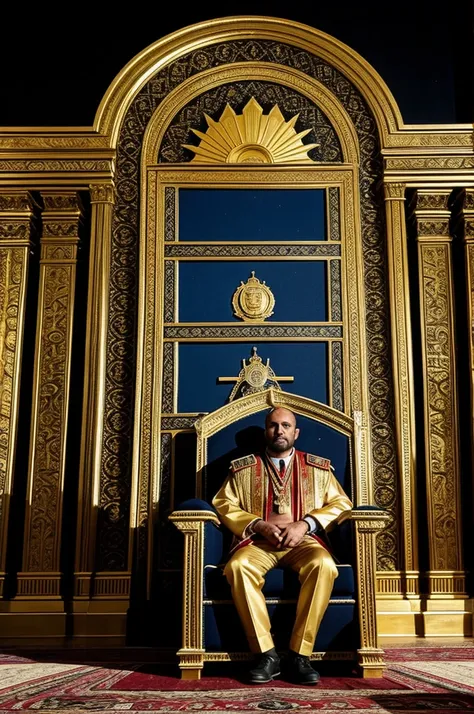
266,669
301,671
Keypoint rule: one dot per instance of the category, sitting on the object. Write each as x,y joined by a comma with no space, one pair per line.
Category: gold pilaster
399,291
446,577
102,200
16,213
40,576
367,524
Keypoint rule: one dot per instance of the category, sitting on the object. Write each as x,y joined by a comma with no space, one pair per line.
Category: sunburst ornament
251,138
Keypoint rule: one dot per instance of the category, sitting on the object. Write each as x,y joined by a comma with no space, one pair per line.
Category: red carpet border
417,680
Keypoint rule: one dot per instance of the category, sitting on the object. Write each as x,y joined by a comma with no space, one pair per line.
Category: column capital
394,191
432,199
62,214
102,192
467,213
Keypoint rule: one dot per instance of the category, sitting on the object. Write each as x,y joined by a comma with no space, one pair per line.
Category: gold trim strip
403,380
102,198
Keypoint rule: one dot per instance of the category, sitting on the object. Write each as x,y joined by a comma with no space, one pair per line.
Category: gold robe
244,497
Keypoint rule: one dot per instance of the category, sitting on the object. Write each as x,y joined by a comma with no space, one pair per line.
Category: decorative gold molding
432,215
16,216
19,139
431,163
402,361
37,166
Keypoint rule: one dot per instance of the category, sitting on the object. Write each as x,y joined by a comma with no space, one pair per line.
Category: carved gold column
468,221
40,576
446,577
16,213
406,583
102,200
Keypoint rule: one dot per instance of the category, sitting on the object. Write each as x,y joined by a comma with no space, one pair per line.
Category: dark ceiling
56,66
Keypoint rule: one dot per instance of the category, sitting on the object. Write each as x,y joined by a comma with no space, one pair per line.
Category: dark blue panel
224,632
206,289
215,214
201,363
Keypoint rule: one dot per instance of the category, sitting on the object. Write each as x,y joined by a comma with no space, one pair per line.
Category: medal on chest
280,486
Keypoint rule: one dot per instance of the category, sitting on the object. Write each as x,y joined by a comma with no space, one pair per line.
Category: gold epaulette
244,461
318,461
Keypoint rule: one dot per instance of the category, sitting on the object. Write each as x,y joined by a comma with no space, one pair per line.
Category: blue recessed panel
216,214
200,364
206,289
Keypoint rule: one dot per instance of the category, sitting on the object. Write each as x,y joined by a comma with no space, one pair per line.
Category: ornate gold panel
16,214
432,214
40,575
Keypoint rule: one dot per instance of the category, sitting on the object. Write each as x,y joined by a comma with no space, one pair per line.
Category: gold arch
143,66
263,71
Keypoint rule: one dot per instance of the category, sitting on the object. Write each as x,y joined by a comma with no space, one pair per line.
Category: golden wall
87,414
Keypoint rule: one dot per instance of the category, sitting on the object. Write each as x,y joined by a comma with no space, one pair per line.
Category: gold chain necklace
281,492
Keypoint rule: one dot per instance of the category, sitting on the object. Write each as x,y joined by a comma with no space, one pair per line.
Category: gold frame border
146,455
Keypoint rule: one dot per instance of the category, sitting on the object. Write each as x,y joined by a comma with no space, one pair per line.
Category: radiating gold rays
251,138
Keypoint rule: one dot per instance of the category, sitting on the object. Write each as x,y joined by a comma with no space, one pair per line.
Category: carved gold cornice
43,170
13,139
420,171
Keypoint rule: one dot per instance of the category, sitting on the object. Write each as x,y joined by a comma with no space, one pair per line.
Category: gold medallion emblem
253,300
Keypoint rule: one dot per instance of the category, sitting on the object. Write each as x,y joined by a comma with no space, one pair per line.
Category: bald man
276,503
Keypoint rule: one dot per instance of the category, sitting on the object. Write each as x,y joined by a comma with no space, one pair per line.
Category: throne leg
191,663
371,662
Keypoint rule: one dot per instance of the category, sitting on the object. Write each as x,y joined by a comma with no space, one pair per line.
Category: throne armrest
199,521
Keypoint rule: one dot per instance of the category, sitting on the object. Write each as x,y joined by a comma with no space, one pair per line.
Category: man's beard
280,446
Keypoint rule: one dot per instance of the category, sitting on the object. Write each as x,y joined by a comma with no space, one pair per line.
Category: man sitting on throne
278,504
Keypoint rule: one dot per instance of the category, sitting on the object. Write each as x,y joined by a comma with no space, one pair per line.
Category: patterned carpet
417,680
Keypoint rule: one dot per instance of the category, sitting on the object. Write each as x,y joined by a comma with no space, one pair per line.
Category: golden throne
210,627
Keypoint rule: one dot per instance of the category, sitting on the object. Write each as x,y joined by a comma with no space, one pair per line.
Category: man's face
280,432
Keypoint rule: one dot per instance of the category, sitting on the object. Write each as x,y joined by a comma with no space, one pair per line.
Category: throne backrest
236,429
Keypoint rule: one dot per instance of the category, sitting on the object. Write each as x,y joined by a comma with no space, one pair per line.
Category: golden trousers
246,571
